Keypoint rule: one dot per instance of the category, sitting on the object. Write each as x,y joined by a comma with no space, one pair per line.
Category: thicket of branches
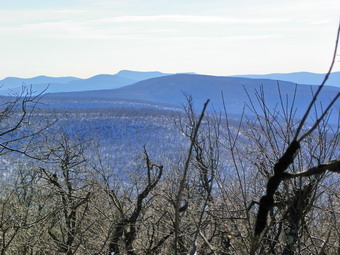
267,184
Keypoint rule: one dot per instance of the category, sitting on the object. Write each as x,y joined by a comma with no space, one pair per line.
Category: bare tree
17,132
69,185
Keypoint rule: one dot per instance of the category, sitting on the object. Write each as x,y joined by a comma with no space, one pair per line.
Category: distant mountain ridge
139,76
127,77
70,84
13,82
298,77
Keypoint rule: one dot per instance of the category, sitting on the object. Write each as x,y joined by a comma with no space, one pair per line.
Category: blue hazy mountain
68,84
126,77
170,90
13,82
299,78
139,76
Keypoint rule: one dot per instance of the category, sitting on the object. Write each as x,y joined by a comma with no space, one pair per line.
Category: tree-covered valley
90,173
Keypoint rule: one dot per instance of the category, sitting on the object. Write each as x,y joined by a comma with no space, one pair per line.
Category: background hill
131,89
170,91
299,78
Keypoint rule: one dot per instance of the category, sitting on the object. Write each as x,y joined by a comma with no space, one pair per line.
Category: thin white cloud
22,16
191,19
151,38
220,38
66,26
321,22
89,30
71,30
65,11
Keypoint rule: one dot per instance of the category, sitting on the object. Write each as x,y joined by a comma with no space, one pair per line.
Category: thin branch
317,122
185,174
320,87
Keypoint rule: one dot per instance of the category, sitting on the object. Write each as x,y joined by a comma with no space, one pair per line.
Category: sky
83,38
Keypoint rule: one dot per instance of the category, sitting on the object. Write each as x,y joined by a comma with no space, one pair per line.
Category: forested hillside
136,177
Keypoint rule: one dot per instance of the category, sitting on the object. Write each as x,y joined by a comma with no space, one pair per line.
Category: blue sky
85,37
